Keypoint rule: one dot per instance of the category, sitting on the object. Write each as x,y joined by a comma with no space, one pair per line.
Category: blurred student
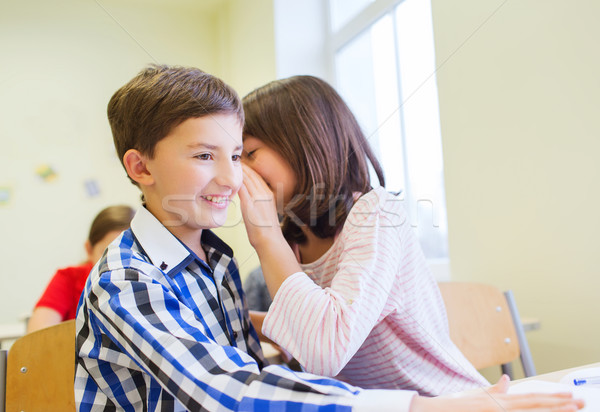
59,301
257,294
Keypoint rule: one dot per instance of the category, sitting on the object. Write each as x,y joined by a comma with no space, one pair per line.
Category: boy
162,323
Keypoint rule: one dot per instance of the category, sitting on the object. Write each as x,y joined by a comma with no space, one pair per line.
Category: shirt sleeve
323,328
383,400
164,338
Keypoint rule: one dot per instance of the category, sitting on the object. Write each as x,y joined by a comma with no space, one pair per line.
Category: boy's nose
229,175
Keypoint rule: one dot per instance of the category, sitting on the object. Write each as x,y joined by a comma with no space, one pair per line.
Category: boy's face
196,171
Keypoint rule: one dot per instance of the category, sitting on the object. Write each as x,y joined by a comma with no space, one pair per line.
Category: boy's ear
135,164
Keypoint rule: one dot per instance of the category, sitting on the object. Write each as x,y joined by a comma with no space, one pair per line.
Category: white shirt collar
161,246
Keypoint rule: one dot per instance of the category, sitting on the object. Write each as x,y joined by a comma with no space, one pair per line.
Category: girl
352,294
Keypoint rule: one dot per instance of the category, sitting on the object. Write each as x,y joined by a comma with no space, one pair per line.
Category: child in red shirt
59,301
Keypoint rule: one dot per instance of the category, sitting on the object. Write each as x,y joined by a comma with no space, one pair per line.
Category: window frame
315,55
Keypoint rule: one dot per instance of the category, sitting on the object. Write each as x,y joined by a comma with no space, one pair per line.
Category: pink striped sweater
368,311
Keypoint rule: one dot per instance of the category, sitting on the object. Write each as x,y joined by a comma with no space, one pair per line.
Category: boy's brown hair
307,122
159,98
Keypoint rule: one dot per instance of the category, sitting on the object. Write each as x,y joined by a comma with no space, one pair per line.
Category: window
342,11
379,54
384,67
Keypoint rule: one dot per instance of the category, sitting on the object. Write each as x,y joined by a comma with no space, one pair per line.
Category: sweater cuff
383,400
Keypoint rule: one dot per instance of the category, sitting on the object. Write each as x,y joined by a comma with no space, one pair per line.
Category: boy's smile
195,172
217,201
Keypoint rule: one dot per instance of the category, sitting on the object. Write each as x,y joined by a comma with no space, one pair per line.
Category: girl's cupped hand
259,208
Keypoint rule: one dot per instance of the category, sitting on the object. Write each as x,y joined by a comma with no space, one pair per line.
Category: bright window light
386,74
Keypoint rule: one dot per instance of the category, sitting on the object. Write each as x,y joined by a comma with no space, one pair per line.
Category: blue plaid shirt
160,329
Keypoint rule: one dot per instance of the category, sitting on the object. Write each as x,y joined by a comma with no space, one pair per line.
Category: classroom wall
247,61
518,85
61,63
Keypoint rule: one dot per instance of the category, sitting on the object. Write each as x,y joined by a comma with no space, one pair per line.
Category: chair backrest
480,323
41,369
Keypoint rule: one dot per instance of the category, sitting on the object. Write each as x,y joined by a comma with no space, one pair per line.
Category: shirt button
235,335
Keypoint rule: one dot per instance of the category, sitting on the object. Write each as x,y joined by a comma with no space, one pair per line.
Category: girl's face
272,167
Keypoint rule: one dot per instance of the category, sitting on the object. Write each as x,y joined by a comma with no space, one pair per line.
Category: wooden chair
40,370
485,325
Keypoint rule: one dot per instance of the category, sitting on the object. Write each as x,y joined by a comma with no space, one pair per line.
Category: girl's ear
135,164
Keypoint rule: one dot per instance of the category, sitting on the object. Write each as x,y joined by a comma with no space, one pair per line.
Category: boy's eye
249,153
236,158
204,156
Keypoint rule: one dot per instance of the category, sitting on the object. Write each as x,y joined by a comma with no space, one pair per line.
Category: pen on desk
592,380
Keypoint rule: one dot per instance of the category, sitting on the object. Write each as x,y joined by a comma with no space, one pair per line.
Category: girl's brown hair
111,219
306,121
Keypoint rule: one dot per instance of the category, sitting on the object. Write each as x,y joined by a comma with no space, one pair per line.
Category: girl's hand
495,399
259,209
